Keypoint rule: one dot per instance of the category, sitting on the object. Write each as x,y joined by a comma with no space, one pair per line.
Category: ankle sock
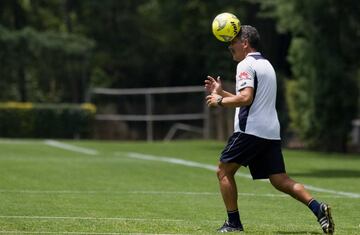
314,206
234,217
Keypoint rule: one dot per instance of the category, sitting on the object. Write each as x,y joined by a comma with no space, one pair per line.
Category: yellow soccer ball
226,26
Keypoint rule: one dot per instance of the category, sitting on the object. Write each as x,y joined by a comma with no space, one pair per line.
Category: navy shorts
263,156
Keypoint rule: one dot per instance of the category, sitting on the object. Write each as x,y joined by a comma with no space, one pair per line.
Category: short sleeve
244,77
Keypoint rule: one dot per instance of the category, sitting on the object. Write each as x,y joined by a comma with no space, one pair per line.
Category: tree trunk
22,85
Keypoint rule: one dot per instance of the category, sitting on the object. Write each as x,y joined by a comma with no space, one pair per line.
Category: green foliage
324,93
138,44
51,63
281,105
170,41
46,120
52,51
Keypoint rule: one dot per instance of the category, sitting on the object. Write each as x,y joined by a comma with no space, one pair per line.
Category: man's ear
246,43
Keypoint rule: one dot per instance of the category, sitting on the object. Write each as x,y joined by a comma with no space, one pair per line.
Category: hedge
33,120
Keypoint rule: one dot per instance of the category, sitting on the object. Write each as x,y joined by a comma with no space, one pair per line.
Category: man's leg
285,184
226,173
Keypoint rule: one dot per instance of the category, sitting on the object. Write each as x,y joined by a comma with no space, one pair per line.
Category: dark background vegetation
54,51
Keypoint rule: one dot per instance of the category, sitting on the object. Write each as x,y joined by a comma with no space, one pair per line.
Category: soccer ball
226,26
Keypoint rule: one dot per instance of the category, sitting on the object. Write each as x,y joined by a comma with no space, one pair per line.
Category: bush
46,120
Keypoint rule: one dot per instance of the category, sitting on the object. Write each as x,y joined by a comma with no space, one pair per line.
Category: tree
323,95
43,60
157,42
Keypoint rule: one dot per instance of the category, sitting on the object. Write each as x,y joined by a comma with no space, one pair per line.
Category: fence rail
140,118
144,91
149,117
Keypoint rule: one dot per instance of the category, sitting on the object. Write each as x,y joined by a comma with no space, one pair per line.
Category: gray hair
251,34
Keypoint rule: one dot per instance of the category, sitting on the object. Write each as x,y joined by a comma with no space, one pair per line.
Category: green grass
48,190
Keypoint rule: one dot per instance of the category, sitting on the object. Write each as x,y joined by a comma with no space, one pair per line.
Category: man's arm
225,94
244,98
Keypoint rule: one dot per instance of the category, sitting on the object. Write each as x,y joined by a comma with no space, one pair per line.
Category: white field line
178,161
239,193
340,193
133,192
17,141
213,168
160,193
69,147
88,151
81,233
42,232
218,193
86,218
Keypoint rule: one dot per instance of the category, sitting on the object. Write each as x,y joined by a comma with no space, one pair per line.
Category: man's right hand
213,86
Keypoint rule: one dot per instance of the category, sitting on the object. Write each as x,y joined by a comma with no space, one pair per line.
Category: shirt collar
254,53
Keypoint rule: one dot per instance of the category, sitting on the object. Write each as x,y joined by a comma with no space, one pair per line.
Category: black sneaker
228,227
325,220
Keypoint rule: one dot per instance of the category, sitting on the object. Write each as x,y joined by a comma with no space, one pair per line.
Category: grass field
88,187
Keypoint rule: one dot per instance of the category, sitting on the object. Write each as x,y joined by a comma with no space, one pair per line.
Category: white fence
149,117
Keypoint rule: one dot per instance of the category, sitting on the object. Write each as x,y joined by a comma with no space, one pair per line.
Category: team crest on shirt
244,75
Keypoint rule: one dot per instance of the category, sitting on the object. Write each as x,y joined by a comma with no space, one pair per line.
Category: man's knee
226,170
280,181
283,183
298,188
220,173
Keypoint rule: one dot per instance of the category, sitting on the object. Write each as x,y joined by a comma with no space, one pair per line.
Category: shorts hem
266,177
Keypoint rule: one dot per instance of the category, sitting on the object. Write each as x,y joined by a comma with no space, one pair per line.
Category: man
256,138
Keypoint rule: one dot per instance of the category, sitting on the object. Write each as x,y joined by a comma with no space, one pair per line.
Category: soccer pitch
94,187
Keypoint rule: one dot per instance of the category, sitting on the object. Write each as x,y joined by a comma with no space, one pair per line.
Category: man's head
247,40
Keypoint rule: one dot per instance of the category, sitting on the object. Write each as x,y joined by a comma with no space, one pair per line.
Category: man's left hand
212,100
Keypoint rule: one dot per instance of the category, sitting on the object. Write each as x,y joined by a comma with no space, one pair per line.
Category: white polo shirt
260,118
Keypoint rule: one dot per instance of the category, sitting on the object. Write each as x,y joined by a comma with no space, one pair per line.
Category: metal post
206,120
149,119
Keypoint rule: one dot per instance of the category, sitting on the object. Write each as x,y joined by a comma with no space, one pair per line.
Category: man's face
237,48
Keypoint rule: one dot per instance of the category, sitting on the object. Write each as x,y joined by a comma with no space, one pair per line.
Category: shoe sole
331,228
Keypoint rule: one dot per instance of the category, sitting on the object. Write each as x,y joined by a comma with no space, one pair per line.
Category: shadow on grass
333,173
298,232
